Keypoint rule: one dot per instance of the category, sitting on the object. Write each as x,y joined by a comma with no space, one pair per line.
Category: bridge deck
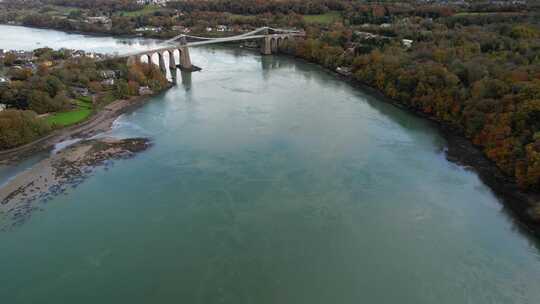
242,37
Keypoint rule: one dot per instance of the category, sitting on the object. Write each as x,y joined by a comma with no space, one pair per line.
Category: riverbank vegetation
472,65
49,89
82,109
484,81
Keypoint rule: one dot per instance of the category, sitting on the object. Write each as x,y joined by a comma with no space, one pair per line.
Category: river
270,181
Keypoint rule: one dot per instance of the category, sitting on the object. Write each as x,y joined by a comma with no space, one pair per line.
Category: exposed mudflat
56,174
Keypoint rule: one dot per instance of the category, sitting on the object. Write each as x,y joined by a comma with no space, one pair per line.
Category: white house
407,43
154,2
107,74
145,90
99,19
222,28
4,81
148,29
181,28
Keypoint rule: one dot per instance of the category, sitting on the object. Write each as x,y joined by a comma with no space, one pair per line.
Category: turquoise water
270,181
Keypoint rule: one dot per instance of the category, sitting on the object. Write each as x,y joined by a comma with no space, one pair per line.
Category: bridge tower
185,59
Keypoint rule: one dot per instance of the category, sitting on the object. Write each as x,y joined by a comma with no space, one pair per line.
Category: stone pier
162,66
172,63
185,60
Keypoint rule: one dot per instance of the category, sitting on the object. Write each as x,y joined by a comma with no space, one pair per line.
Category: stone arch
161,61
172,61
279,43
148,58
273,44
151,57
285,41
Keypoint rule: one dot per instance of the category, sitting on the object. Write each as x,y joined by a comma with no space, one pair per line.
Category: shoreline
460,149
101,121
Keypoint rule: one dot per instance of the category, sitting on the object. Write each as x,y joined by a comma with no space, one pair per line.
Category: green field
72,117
148,9
325,18
461,14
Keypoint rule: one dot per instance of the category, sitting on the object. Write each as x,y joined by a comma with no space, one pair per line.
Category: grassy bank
326,18
146,10
82,110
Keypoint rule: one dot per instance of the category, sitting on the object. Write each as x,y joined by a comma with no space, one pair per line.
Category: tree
9,59
40,102
20,127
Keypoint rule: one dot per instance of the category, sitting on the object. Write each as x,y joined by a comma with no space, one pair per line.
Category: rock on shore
54,175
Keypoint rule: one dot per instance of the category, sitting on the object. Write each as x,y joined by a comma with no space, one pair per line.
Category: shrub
20,127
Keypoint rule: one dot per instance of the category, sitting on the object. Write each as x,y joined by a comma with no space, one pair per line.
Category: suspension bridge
270,39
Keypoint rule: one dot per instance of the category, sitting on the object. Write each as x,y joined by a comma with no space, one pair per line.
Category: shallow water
270,181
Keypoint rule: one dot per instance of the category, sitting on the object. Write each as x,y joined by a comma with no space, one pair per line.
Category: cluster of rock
65,170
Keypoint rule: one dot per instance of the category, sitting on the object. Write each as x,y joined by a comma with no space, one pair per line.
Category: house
101,20
181,28
93,55
222,28
23,56
385,25
154,2
98,20
145,90
209,29
79,91
105,74
4,81
365,35
406,43
78,53
148,29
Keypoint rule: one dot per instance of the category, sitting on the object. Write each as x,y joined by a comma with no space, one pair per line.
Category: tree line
483,80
